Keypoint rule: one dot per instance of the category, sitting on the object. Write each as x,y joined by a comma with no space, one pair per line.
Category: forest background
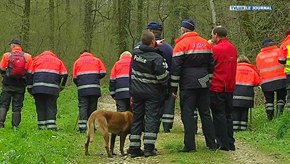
109,27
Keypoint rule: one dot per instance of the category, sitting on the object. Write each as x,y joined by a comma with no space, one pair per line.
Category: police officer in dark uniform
148,83
168,104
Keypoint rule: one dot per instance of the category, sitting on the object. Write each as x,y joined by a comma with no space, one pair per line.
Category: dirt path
244,153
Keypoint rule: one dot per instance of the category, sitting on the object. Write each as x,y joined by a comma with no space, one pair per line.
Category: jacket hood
248,65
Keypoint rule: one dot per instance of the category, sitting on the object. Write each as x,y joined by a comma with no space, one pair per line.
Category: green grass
27,144
269,136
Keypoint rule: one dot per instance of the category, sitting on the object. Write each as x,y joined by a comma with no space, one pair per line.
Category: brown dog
118,123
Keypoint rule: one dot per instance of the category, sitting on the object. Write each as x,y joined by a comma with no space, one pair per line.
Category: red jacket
224,76
87,72
271,71
119,79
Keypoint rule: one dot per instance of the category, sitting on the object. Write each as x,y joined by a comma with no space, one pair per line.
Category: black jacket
148,75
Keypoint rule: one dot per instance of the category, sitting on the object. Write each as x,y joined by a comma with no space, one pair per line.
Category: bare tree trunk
123,16
174,22
213,13
58,39
51,24
67,30
26,25
246,23
88,24
139,16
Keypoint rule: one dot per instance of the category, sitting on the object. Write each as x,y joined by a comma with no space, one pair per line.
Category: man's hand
210,42
174,96
159,42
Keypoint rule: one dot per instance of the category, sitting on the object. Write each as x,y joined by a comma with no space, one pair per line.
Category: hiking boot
185,150
139,153
232,147
166,130
150,153
270,117
83,130
16,119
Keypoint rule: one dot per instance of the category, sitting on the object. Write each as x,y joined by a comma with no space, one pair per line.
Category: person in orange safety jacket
273,78
192,67
119,82
87,72
284,56
119,85
13,88
46,77
247,78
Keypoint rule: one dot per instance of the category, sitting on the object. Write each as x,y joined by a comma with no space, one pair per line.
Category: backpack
16,65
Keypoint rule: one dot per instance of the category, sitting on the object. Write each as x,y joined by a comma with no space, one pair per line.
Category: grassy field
26,144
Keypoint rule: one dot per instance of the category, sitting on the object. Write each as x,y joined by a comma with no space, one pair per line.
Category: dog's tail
91,131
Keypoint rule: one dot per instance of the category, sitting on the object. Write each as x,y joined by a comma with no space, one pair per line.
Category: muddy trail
244,153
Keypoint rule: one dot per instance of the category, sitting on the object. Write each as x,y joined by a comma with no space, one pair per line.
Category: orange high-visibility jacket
87,72
271,71
119,79
47,74
192,63
247,78
283,50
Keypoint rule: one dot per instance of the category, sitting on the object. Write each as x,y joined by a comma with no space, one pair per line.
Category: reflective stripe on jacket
148,75
247,78
119,78
225,57
192,63
47,74
87,72
270,70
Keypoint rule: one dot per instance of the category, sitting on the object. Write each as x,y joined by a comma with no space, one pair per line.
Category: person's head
268,42
187,25
155,27
243,59
83,51
287,32
218,33
148,39
15,43
125,53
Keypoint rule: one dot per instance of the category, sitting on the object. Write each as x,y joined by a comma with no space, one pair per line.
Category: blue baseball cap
188,24
15,41
154,26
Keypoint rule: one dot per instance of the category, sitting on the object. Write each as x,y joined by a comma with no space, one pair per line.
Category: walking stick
77,121
251,119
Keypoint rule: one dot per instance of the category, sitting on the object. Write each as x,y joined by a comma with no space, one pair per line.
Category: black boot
16,118
270,111
3,113
280,107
